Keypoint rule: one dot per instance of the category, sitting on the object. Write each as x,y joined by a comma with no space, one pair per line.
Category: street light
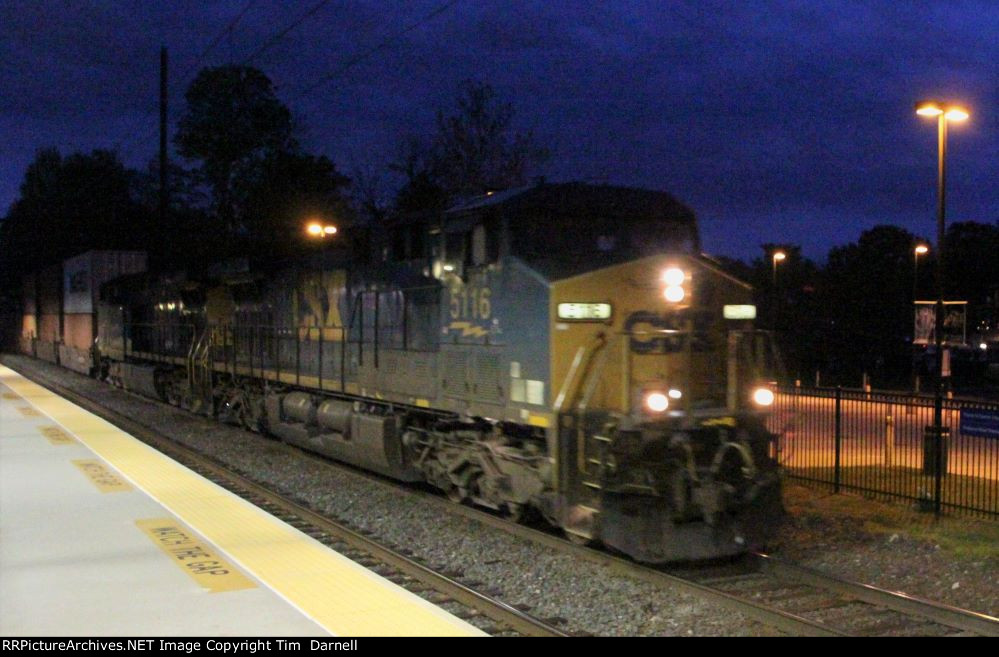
320,230
921,249
778,256
943,112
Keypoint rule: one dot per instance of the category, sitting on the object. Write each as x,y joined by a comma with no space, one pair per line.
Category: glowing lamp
674,277
763,396
674,294
656,402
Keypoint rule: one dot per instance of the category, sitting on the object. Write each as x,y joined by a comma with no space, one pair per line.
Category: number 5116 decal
469,302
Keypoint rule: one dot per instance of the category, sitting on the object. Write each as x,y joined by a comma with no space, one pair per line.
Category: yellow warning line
100,476
337,593
193,556
56,436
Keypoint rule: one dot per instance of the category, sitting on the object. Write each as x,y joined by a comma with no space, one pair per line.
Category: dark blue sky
774,121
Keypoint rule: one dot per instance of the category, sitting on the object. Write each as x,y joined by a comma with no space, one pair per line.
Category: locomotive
560,350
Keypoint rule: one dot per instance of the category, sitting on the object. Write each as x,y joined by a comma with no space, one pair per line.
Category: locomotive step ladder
199,371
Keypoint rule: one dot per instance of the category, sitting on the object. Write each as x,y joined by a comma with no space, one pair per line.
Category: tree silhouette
233,120
69,205
284,191
474,150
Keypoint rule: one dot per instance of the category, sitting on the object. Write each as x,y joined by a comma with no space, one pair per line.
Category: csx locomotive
560,350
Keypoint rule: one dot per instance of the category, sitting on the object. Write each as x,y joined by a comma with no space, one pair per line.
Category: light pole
778,256
921,249
944,113
324,232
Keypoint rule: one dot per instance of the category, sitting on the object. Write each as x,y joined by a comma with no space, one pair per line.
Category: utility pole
163,136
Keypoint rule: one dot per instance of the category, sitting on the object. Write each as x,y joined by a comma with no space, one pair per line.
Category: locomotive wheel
578,539
515,512
457,494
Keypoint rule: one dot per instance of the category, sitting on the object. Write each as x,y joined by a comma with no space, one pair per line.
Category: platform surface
101,535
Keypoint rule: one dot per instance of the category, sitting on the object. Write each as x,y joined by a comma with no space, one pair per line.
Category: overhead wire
360,57
274,39
216,40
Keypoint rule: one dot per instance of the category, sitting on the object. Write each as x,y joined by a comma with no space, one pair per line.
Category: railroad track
486,612
775,593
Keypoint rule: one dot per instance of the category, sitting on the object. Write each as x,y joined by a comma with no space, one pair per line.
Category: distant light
449,267
329,230
674,276
763,396
779,255
983,346
921,249
928,109
656,402
315,229
674,294
933,108
675,394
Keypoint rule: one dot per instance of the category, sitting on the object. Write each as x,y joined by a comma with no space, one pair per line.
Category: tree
867,294
69,205
972,268
787,304
286,189
473,151
233,120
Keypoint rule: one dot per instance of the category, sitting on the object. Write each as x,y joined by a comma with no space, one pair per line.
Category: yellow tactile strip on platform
193,557
337,593
102,476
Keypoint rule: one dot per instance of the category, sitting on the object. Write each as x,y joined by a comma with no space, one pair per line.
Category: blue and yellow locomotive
562,350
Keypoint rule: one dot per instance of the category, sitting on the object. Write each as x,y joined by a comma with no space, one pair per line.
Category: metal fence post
938,472
838,438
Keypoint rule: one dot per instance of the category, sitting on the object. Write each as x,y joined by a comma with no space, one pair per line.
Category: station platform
100,535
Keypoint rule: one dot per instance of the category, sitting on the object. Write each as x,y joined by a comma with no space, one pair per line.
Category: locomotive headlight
656,402
674,294
763,396
674,277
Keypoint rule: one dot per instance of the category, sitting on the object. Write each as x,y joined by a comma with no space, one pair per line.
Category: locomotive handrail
569,379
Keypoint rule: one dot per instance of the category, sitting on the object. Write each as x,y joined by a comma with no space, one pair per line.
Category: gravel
587,597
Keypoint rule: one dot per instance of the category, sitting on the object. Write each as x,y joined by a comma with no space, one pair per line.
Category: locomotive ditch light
763,396
674,278
656,402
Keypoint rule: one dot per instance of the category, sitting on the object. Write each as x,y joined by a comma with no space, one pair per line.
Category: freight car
560,350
